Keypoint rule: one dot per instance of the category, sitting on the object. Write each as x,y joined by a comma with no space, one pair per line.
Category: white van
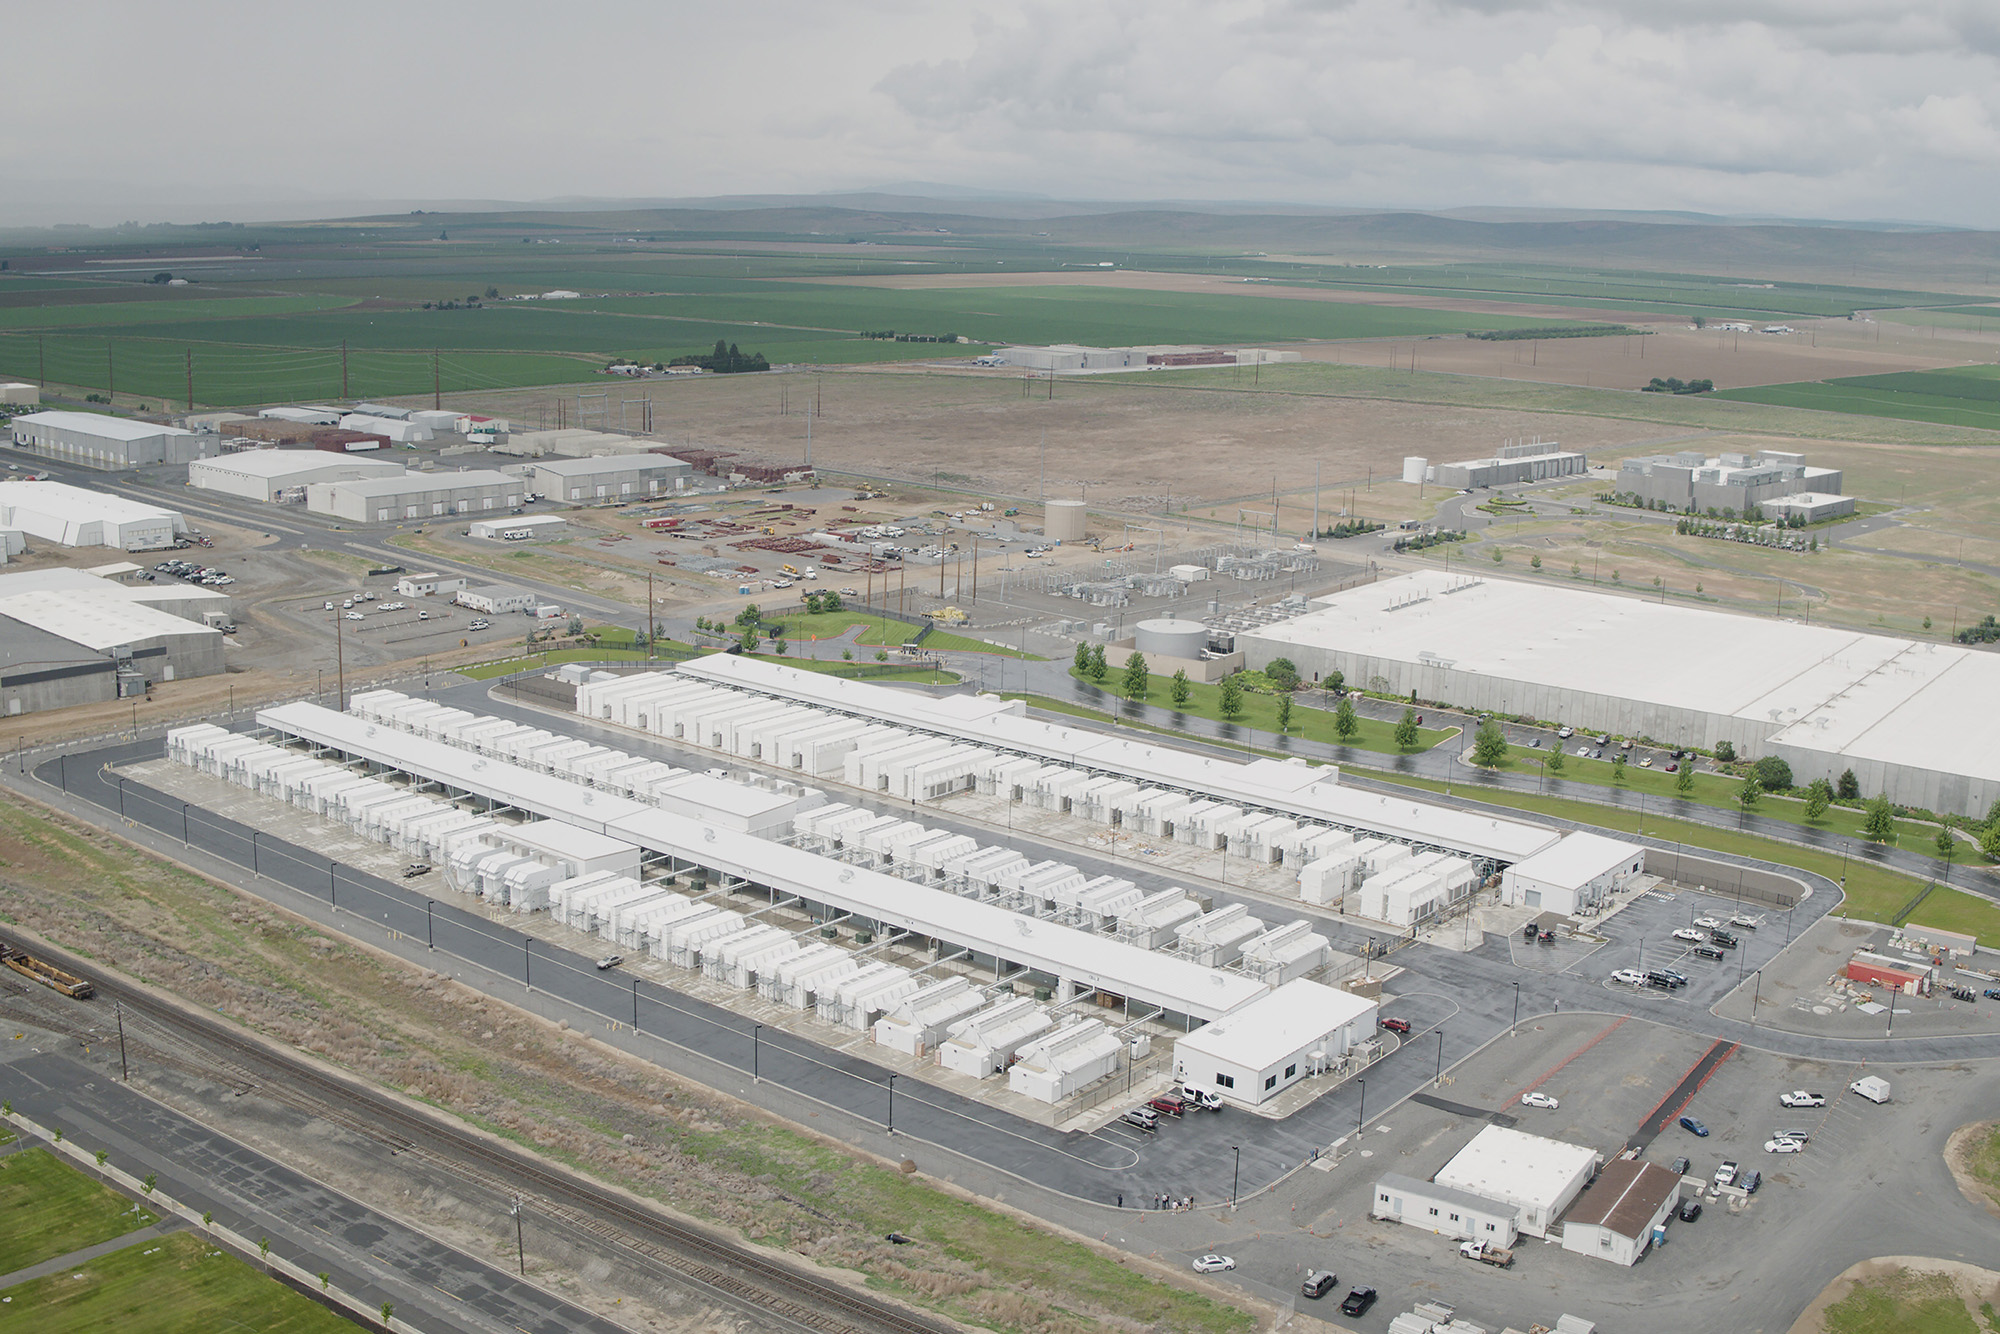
1205,1098
1872,1087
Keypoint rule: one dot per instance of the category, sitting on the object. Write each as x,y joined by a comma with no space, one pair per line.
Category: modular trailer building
1820,698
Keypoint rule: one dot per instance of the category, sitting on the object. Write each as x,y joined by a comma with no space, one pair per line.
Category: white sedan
1802,1098
1707,923
1539,1100
1783,1146
1688,933
356,616
1212,1264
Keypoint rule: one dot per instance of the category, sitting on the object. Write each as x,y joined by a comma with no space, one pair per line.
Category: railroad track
214,1050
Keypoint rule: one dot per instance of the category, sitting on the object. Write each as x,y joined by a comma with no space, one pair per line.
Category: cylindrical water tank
1062,521
1170,638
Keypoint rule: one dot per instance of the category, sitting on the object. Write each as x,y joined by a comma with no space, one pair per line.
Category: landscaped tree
1284,714
1336,682
1489,745
1773,773
1989,842
1406,730
1138,681
1818,798
1684,780
1726,752
830,601
1281,673
749,615
749,640
1555,762
1880,825
1099,668
1231,697
1534,562
1081,662
1345,723
1181,688
1747,795
1850,786
1618,767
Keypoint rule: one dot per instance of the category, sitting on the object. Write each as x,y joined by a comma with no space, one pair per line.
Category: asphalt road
369,1255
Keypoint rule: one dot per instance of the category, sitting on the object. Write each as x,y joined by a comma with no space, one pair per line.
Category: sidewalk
151,1232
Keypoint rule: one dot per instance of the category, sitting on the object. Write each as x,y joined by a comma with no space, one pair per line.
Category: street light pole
430,940
124,1071
892,1103
1361,1110
756,1067
1236,1174
1439,1081
1517,1006
520,1245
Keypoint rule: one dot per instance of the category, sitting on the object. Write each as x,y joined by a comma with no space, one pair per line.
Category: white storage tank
1167,637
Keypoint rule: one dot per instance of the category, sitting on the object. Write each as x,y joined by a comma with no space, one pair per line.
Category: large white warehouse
97,441
416,496
618,477
1896,711
267,474
73,516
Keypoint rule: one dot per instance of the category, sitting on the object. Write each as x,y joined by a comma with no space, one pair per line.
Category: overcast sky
1828,108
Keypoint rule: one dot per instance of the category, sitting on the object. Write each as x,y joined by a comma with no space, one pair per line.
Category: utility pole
124,1070
1315,531
520,1247
809,438
650,627
343,368
190,371
339,664
975,568
110,376
42,359
437,387
1042,490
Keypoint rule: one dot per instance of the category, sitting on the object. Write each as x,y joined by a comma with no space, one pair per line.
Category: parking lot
1871,1181
1641,937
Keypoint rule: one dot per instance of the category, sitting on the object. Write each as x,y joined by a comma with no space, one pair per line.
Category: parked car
1706,923
1546,937
1781,1146
1539,1100
1679,1167
1751,1180
1725,1175
415,869
610,961
1746,921
1358,1301
1802,1136
1583,752
1673,768
1401,1026
1802,1098
354,616
1680,978
1145,1118
1630,976
1565,733
1646,763
1992,993
1709,952
1723,940
1690,1210
1206,1099
1318,1283
478,623
1694,1127
1168,1104
1689,933
1212,1263
1663,981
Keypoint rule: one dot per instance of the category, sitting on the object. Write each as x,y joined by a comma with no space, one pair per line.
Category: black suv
1690,1210
1722,939
1664,981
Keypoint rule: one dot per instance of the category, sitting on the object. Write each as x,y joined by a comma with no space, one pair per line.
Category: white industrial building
430,584
1537,1176
529,526
610,478
19,394
400,432
1576,876
1624,1210
97,441
73,516
304,416
1263,1048
1727,485
1821,698
68,637
269,474
1531,461
1458,1214
416,496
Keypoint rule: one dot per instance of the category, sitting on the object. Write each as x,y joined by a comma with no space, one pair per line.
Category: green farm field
1962,396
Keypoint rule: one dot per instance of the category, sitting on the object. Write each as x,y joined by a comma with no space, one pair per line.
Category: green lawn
1905,1302
48,1208
171,1286
525,661
884,630
1261,712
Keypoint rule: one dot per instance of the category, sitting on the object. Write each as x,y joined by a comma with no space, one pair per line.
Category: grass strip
177,1283
48,1208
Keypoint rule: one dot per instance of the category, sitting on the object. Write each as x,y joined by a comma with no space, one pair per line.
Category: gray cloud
1863,108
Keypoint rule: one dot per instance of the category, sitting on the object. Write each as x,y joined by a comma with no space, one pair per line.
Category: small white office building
1539,1177
1623,1211
1575,876
1261,1048
1445,1210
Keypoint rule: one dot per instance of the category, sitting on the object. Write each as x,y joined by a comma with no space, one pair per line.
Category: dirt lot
1820,350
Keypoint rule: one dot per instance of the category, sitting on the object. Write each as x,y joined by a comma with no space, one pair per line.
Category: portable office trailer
1154,919
981,1044
1058,1064
1285,952
1217,938
919,1019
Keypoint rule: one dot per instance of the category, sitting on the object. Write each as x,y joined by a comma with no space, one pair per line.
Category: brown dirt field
1116,442
1732,360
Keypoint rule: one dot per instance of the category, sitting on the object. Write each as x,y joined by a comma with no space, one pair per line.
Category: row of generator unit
764,807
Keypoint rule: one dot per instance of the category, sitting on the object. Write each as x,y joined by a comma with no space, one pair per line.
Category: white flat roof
1272,1027
1517,1167
598,463
76,504
1294,789
411,483
1579,859
111,428
1083,957
100,621
271,463
1872,696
